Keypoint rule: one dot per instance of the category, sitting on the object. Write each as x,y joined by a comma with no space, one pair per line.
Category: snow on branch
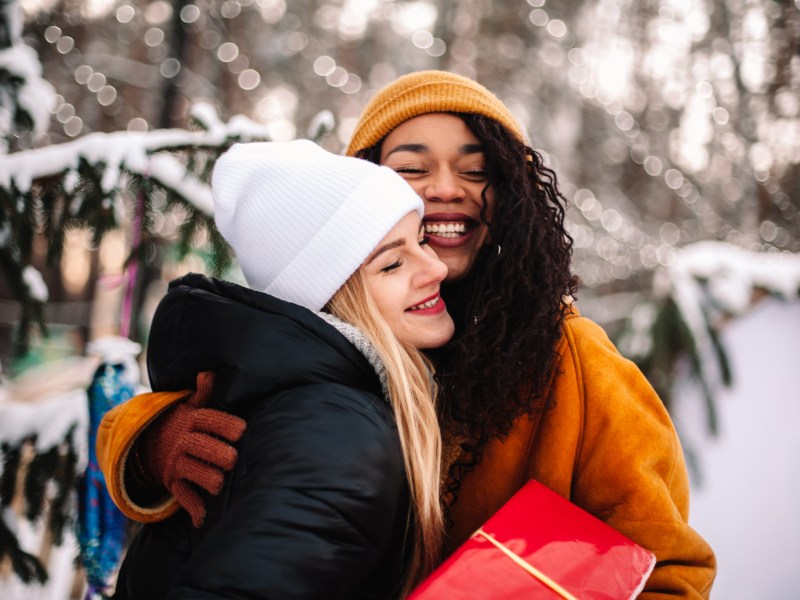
29,100
716,278
133,153
732,273
706,283
711,278
34,96
87,182
171,174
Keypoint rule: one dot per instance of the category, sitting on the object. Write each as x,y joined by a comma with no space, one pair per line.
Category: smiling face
403,276
442,160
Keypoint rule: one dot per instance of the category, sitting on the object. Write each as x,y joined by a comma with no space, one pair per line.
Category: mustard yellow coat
609,446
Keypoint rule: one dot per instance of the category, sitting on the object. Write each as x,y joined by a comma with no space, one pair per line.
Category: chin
430,345
437,340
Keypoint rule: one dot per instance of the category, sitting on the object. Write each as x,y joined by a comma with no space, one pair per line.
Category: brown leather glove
190,446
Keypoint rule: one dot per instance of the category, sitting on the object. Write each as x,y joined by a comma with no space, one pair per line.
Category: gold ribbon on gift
521,562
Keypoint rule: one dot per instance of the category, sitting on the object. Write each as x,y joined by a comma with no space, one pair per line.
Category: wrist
142,487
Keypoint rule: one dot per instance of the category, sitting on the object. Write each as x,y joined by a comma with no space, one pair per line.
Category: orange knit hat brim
421,93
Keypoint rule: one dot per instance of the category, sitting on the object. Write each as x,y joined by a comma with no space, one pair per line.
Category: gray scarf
362,343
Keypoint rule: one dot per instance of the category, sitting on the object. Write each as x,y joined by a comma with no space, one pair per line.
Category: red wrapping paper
541,546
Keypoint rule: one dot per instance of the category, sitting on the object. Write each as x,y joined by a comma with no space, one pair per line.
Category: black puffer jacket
317,505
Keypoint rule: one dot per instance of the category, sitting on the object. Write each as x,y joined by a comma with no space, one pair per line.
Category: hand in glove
190,446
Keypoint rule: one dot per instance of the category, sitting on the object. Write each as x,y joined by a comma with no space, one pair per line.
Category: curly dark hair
509,309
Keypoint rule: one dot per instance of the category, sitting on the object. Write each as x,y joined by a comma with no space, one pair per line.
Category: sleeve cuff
115,438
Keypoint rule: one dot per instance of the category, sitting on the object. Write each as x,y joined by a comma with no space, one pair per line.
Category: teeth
429,304
449,229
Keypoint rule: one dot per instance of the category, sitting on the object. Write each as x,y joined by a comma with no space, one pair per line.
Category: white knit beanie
302,220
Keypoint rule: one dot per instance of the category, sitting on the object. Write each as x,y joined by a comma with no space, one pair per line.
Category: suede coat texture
607,445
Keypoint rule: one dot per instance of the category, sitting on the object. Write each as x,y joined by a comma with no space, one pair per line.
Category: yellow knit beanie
421,93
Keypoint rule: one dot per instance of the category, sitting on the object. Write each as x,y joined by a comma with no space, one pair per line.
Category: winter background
673,125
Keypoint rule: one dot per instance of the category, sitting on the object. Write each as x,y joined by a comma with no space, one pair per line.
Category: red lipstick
436,309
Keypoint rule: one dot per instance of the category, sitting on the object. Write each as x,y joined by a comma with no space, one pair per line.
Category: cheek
457,266
430,207
490,203
482,235
460,260
387,298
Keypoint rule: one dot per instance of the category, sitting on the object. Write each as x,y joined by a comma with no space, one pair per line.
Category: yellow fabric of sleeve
115,437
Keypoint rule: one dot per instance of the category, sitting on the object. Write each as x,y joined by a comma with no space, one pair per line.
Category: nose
431,270
444,187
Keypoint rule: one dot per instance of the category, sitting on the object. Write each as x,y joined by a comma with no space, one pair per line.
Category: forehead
442,127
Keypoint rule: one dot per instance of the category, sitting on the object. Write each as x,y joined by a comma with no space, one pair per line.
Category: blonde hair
412,392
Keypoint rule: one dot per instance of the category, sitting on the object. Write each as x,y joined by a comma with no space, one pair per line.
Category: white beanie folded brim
302,220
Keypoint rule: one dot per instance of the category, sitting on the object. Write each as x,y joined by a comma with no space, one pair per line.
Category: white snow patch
135,153
35,282
746,506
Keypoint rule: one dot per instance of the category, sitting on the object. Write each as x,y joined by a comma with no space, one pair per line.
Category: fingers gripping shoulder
115,436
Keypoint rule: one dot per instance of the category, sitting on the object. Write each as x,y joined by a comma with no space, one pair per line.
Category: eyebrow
385,248
423,148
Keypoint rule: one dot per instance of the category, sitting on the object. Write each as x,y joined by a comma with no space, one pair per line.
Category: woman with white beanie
335,493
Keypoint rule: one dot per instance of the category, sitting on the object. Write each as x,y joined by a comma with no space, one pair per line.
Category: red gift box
539,545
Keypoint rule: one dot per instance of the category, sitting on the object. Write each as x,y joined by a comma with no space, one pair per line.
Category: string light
106,95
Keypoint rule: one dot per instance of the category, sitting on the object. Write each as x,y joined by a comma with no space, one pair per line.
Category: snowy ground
747,505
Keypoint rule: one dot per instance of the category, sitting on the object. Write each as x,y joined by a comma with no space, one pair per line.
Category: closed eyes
398,263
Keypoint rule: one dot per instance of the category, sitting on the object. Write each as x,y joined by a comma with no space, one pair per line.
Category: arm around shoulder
115,438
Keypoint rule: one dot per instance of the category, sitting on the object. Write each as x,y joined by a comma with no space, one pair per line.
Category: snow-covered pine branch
733,273
87,183
27,102
705,284
123,152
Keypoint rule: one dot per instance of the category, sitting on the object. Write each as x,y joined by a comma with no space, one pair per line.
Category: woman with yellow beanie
529,389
